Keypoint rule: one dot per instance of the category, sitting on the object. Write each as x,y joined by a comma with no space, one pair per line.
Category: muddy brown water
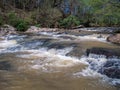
49,66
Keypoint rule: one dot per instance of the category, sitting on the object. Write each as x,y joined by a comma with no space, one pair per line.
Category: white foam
95,63
48,33
88,72
15,36
93,37
7,43
50,60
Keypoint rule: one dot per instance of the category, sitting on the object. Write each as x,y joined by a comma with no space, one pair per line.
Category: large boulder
7,29
108,52
114,38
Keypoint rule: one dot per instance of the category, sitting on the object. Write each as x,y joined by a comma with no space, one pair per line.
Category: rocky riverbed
54,59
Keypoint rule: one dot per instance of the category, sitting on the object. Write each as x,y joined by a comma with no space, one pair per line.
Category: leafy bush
22,25
69,22
12,19
18,23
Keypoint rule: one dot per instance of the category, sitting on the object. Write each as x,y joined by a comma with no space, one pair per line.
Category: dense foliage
60,13
18,23
69,22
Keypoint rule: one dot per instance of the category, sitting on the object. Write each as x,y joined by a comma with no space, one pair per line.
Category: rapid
57,61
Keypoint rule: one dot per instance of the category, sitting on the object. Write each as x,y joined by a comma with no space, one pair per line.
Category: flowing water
53,61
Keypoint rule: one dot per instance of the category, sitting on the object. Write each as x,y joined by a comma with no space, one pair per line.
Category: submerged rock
114,39
108,52
5,65
111,69
67,37
59,45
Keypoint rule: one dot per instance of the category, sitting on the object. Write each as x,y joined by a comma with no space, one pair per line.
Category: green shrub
18,23
12,19
22,26
69,22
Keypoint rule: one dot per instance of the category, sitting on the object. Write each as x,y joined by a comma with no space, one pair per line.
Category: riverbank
34,29
109,31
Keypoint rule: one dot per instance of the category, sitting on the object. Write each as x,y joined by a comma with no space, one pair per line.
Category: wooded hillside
60,13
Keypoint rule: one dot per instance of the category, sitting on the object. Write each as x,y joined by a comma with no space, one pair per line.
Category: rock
102,29
114,39
76,52
67,37
111,69
7,29
34,29
108,52
58,45
80,26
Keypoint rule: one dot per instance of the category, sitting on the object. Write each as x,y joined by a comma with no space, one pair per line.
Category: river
54,61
